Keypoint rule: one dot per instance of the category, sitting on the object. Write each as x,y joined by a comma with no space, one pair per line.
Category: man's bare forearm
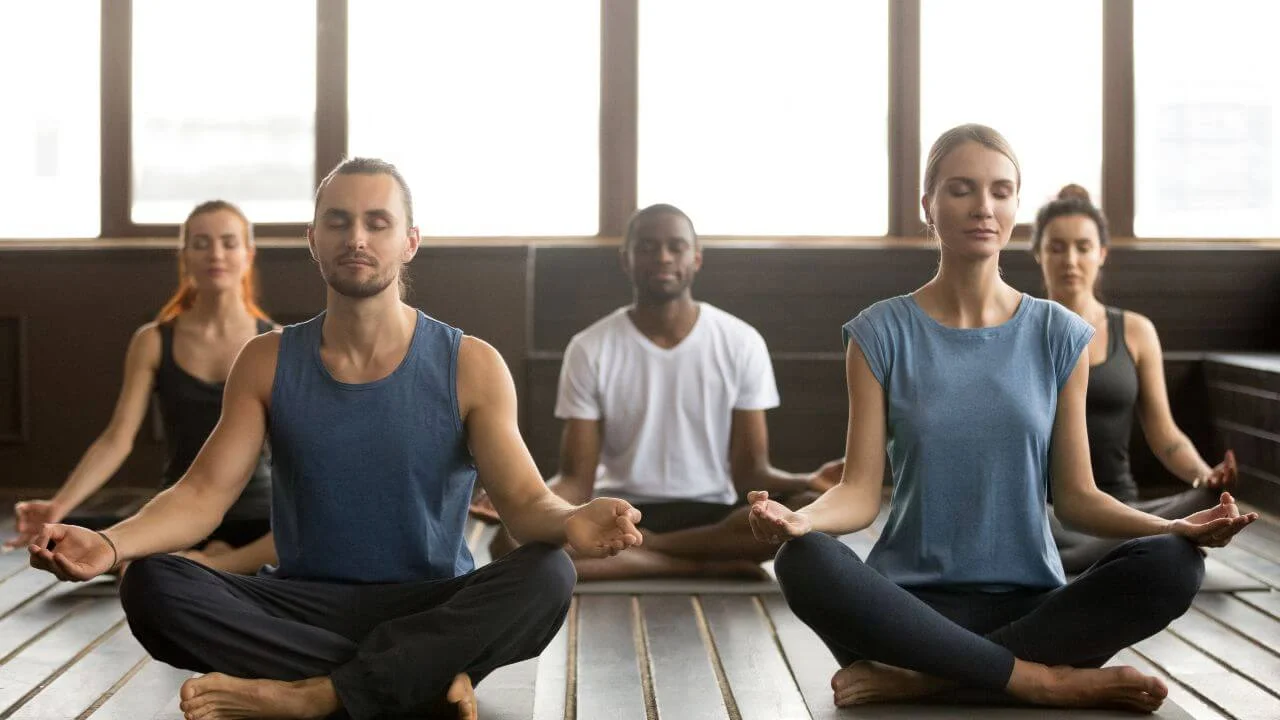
775,482
541,520
174,520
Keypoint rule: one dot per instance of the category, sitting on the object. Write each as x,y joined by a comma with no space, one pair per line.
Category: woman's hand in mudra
772,522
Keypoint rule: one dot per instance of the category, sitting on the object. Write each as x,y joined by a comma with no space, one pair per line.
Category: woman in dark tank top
1126,375
183,358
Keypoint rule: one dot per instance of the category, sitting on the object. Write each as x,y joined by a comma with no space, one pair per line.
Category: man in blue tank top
379,418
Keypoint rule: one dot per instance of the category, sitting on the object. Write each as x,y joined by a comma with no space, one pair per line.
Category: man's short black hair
647,212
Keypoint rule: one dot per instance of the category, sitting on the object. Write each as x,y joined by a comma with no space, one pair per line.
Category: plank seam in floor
1234,631
1184,685
93,708
709,642
52,626
639,637
1243,570
16,570
1226,662
571,672
1251,602
43,591
65,666
782,650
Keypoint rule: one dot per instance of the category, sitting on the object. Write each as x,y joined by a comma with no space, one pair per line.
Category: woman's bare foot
869,682
462,696
221,697
1120,687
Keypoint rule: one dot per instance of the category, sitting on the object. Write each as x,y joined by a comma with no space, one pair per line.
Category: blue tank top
370,482
969,422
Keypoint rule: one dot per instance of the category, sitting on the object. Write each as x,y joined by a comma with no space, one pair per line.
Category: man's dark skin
661,256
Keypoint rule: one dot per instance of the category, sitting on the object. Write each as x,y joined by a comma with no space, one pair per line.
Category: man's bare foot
502,543
221,697
869,682
1120,687
462,696
641,562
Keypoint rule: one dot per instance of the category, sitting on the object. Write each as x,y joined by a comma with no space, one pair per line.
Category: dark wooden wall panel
542,429
798,298
1244,405
1184,377
81,306
13,380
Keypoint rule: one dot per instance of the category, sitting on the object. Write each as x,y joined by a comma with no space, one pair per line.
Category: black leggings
1079,550
664,517
972,637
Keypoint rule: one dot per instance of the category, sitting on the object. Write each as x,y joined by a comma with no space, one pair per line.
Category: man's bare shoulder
255,367
478,360
482,372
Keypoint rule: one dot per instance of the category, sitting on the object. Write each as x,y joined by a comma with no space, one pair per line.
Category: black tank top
1109,405
190,408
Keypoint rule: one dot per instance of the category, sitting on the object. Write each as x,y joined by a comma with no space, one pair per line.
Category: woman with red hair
184,357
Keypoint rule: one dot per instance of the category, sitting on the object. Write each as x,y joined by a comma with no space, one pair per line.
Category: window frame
618,119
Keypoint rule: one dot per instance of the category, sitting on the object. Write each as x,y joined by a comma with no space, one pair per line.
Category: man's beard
358,289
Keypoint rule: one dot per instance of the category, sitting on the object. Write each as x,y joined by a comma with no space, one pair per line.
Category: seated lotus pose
1126,373
978,393
664,405
183,357
380,418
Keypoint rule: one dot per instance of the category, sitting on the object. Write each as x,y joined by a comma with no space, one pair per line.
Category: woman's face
973,205
217,253
1071,254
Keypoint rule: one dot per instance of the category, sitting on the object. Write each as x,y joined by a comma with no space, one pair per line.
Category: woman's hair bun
1073,192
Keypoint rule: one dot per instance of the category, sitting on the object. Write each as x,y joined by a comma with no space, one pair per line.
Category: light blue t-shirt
970,419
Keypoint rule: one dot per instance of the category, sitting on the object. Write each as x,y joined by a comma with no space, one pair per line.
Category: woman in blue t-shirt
977,392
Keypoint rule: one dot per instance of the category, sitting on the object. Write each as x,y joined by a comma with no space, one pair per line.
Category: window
49,135
1206,121
1031,70
489,108
765,118
224,107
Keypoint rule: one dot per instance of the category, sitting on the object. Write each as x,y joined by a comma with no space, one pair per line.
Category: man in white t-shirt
664,403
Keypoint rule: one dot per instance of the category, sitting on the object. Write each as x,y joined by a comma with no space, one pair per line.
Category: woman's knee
1174,568
808,558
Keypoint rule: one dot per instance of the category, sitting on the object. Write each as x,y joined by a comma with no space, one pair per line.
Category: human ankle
1030,681
317,696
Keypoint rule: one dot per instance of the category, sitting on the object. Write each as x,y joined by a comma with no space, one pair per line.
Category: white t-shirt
666,413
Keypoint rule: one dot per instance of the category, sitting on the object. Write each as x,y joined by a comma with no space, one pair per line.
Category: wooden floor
646,652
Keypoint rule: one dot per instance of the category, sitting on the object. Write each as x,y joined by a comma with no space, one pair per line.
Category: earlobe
415,241
311,243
